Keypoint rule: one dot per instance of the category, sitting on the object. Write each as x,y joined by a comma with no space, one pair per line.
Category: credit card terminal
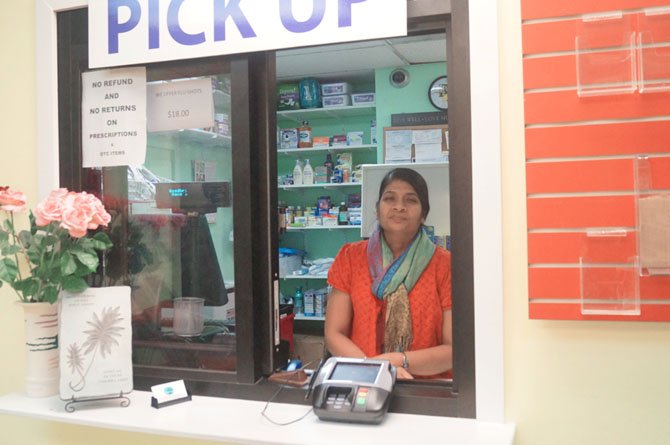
353,389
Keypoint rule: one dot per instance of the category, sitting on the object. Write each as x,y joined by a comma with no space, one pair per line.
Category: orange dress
428,299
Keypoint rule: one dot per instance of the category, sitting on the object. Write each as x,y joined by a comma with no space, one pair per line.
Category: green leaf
74,284
28,287
88,259
51,294
8,270
25,238
67,264
50,240
103,238
9,227
10,250
83,271
4,238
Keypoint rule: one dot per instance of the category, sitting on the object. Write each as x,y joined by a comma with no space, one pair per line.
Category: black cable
267,404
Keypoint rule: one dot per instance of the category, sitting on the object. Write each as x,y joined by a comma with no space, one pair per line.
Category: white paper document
95,343
180,104
428,153
431,136
113,117
398,145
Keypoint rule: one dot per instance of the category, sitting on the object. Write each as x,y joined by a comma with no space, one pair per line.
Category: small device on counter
353,389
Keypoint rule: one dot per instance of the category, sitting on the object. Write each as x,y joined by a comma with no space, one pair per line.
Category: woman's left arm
429,361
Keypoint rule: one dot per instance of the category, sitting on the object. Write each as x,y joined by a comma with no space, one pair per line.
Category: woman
391,294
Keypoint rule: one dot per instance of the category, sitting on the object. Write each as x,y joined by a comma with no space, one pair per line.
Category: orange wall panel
568,247
598,140
538,9
580,176
549,72
572,311
580,212
566,106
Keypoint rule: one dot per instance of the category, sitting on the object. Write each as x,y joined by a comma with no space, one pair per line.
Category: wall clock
437,93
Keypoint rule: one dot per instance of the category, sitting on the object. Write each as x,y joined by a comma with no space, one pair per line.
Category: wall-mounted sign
113,117
180,104
125,32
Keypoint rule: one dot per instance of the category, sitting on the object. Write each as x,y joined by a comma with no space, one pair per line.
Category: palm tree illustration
101,338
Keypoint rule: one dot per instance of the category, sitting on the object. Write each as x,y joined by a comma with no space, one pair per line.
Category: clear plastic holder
605,55
653,39
608,287
653,220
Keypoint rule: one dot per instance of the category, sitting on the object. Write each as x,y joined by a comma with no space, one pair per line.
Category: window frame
485,184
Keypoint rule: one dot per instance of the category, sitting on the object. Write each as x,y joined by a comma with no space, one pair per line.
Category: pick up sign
125,32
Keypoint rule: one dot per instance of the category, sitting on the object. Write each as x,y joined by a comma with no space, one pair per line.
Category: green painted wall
412,98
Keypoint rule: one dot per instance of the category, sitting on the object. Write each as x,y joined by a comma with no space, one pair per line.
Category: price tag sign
180,104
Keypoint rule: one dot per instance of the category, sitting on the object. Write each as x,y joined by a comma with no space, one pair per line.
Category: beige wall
568,382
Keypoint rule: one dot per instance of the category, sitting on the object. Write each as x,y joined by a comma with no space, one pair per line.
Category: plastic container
188,319
307,174
333,89
343,215
298,302
297,173
342,100
310,93
305,135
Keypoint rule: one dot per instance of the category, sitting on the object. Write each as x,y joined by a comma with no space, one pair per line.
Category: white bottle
307,174
297,173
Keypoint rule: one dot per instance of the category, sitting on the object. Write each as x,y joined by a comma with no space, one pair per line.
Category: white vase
41,334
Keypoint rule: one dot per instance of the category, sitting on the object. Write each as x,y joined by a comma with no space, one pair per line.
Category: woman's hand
396,359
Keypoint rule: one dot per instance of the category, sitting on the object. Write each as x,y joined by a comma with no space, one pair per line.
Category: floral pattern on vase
41,340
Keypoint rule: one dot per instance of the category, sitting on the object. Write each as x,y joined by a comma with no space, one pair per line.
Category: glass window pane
178,252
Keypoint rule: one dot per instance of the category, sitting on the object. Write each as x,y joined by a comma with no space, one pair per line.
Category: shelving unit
336,149
300,229
327,113
325,185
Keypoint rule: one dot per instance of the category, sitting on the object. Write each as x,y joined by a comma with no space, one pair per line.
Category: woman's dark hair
413,178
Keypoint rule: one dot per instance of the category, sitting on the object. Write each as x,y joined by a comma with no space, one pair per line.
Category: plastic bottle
329,164
298,301
373,132
297,173
305,135
343,215
307,174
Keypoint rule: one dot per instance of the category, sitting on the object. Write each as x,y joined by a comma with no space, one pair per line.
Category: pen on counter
311,381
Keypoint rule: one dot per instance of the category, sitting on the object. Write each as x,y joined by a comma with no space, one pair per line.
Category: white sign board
113,115
180,104
126,32
95,340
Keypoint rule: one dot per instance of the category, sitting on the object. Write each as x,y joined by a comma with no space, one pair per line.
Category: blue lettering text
114,28
345,12
178,34
221,13
291,24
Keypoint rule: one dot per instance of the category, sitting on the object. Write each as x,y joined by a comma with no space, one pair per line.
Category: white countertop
240,421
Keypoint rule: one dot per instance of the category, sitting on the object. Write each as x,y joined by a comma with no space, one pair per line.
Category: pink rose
51,208
82,211
12,201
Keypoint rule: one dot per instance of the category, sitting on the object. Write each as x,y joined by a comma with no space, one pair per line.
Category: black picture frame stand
155,404
123,399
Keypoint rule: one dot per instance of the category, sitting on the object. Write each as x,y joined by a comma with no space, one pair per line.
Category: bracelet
405,362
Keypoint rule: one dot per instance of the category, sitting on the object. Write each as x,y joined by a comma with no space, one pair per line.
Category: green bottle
298,301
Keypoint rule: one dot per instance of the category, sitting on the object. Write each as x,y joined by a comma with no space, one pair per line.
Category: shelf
291,151
300,229
326,113
309,317
325,186
305,277
196,135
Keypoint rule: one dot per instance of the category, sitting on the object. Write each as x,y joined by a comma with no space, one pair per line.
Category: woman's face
399,208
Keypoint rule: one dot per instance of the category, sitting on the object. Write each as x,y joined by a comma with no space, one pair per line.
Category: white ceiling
356,61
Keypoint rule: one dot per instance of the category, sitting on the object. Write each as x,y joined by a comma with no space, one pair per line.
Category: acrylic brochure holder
609,284
653,215
605,54
653,40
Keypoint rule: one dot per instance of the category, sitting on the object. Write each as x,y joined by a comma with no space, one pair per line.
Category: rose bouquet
56,253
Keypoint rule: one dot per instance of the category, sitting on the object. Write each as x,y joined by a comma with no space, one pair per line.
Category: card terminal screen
356,372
